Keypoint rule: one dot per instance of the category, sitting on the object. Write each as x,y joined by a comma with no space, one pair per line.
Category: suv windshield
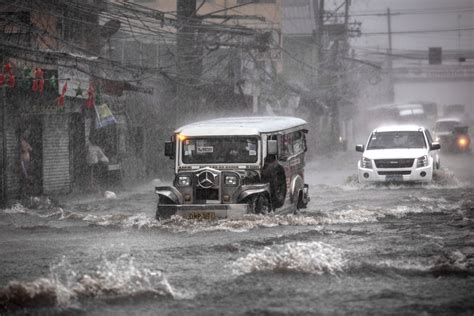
446,126
405,139
220,150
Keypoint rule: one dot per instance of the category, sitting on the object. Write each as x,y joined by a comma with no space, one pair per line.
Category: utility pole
3,197
186,61
346,14
320,30
389,53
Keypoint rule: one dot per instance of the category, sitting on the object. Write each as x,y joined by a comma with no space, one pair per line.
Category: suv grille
394,163
394,173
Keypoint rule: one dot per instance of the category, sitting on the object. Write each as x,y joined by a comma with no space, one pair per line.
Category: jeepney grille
207,194
394,163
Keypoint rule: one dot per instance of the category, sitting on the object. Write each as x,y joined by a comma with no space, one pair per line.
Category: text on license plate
397,177
201,215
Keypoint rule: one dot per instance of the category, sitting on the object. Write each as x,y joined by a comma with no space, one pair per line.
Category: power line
419,31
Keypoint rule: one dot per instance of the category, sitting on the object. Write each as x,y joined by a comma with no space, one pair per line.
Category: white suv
398,153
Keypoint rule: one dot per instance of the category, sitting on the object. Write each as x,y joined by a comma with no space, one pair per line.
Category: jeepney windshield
235,149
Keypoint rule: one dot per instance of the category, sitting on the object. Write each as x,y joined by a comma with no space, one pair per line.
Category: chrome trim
171,193
206,179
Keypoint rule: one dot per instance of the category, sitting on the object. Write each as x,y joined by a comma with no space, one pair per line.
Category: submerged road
390,249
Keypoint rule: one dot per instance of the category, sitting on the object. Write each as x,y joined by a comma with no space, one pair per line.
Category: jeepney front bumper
171,202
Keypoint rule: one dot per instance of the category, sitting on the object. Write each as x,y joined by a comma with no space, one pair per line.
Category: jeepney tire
300,204
162,200
259,204
278,187
262,204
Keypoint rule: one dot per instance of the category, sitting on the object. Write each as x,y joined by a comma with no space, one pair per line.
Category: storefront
51,132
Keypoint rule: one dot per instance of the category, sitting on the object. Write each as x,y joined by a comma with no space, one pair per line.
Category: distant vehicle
232,166
455,110
453,135
397,154
416,113
411,113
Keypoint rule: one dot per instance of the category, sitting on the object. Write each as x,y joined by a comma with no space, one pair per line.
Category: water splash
180,224
346,215
454,262
119,277
308,257
16,208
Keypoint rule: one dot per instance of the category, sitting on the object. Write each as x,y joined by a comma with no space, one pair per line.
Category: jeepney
228,167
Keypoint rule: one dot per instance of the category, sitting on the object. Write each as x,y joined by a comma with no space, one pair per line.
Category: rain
236,157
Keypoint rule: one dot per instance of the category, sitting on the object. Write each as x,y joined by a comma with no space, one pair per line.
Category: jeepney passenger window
285,146
298,142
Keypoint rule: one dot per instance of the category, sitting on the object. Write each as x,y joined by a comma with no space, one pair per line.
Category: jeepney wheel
278,187
300,204
162,200
260,204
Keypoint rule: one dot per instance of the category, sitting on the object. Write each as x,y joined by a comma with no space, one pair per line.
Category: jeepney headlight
422,161
230,180
184,181
366,163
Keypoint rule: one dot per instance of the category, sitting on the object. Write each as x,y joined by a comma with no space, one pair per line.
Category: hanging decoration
11,81
98,95
78,91
104,116
38,82
90,102
60,99
7,69
28,75
54,82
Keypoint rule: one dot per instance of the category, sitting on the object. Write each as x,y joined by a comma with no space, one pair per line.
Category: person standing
97,160
25,161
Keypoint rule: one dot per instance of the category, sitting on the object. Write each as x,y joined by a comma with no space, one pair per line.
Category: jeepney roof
240,126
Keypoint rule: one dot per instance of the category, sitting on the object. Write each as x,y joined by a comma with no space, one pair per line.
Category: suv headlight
230,180
366,163
422,161
184,181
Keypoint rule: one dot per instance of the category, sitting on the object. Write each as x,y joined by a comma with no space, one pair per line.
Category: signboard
77,81
434,73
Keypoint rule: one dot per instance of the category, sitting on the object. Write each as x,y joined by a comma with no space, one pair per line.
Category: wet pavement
357,249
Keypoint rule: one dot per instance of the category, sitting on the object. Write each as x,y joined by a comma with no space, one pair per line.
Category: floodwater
357,249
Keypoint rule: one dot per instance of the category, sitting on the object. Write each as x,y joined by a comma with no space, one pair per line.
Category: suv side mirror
435,146
169,149
360,148
272,147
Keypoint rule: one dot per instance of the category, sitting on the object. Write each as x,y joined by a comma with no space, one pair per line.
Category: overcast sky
454,13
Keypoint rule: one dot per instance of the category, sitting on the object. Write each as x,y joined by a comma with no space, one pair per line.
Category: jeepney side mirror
360,148
169,149
272,147
305,131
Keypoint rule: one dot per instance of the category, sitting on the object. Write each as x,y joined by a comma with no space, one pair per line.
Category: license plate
202,216
394,178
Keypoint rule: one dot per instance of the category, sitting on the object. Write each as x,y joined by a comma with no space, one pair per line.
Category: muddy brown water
389,249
